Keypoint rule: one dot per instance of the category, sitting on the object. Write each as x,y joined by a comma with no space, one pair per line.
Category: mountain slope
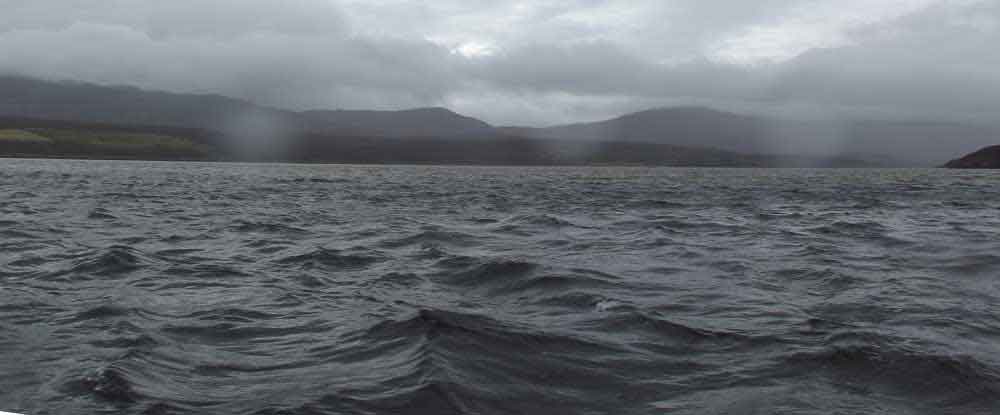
421,122
73,101
889,142
885,143
987,158
686,126
35,138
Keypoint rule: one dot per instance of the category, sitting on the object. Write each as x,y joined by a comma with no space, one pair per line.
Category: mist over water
185,288
256,135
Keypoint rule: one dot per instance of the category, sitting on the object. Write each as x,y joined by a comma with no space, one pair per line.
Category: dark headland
51,119
987,158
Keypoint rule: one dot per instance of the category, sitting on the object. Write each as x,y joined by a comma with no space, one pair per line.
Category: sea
133,287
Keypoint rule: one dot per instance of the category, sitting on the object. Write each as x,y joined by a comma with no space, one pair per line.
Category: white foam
604,305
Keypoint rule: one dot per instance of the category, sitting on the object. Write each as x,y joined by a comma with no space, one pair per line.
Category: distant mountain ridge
420,122
38,138
74,101
885,143
686,126
893,142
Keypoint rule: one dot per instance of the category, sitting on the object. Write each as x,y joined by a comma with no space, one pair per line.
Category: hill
256,129
120,105
881,142
987,158
679,126
23,137
421,122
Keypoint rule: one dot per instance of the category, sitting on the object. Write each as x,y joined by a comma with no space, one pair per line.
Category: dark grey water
157,288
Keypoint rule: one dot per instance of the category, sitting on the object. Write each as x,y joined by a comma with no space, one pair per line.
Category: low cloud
528,63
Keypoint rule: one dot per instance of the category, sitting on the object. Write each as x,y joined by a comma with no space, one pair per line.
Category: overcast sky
529,62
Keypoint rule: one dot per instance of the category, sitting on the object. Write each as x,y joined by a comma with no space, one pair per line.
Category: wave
111,384
450,362
665,292
111,262
101,214
395,280
321,180
128,343
872,360
485,272
671,226
432,238
657,204
244,226
333,259
969,265
659,334
22,195
852,229
115,260
238,329
533,224
18,234
235,315
103,312
205,271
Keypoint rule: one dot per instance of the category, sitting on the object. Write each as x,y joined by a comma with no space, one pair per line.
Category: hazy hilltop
702,133
881,141
691,126
420,122
73,101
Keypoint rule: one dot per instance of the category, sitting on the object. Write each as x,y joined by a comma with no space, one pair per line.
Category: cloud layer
539,62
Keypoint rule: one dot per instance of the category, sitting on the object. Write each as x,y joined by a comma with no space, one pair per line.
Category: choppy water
158,288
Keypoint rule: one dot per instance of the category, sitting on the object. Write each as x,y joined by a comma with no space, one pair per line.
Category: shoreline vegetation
25,138
52,139
63,143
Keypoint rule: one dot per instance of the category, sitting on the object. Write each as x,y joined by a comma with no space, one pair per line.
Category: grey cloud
297,66
936,62
546,61
179,17
602,68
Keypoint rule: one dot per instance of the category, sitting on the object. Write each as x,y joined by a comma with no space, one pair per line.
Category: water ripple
162,288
